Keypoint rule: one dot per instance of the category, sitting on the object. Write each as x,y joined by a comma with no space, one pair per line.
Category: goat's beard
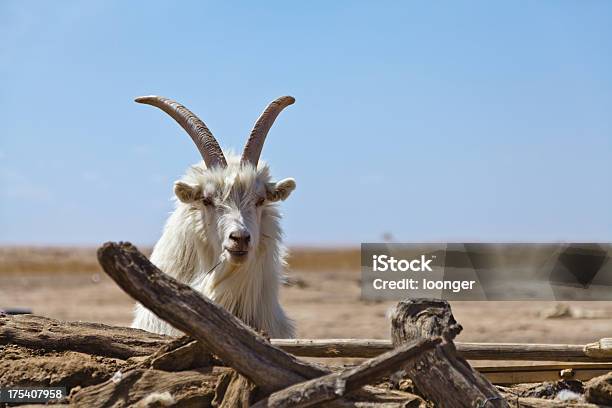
225,268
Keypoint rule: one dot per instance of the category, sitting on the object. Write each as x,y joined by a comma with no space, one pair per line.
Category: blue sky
434,121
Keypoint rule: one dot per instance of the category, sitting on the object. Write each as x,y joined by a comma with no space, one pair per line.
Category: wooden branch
118,342
600,349
440,374
246,351
181,354
365,348
528,352
236,391
221,332
337,385
92,338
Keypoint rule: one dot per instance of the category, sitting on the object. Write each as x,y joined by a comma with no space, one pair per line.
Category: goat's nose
240,236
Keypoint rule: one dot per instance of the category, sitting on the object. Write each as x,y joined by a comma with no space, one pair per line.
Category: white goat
224,238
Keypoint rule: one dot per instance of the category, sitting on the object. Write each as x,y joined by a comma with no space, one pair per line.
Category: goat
224,237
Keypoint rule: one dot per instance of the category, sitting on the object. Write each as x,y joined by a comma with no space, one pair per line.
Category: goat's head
231,198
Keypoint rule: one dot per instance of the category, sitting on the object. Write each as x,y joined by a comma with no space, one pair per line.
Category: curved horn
252,149
201,136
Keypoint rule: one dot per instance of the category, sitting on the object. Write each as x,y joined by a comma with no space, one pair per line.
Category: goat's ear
280,190
187,193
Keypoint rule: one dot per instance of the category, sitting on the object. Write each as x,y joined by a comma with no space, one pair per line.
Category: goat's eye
207,201
260,201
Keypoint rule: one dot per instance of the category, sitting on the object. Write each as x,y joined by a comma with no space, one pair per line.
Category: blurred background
419,122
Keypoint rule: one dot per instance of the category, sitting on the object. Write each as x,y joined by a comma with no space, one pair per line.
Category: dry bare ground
324,299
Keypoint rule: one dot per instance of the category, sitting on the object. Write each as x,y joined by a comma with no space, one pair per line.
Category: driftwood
601,349
92,338
360,348
336,385
218,330
182,353
366,348
42,333
198,317
119,342
268,367
234,390
440,374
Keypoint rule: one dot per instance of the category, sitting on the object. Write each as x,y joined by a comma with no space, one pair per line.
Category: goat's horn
201,136
252,149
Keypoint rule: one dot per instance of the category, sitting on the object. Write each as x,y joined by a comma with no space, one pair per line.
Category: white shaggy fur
156,399
196,235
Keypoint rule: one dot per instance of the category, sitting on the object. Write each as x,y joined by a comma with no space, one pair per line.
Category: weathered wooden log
181,354
339,384
359,348
219,331
123,342
92,338
366,348
440,374
528,352
601,349
234,390
270,368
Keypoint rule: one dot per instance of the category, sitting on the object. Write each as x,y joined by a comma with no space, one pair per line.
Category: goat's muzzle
238,245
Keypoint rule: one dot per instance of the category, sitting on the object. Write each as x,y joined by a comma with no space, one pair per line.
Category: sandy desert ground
324,299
